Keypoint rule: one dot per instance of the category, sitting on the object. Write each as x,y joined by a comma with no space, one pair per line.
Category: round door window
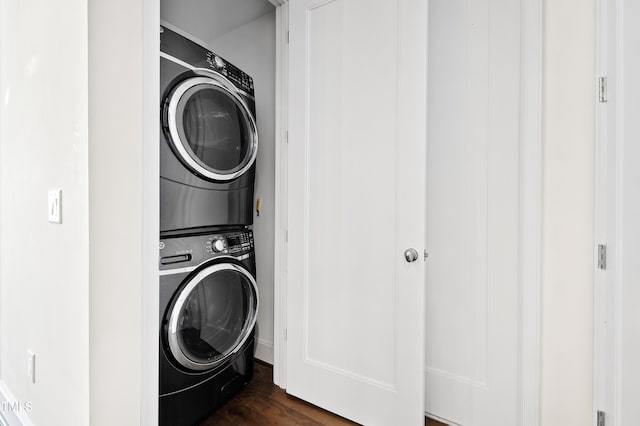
211,128
213,316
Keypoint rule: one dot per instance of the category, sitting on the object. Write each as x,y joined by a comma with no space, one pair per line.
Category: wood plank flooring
262,403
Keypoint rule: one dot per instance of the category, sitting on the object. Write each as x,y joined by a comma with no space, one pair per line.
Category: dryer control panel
233,73
197,56
181,252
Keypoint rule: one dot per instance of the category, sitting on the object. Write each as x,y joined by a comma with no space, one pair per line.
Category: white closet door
356,173
473,179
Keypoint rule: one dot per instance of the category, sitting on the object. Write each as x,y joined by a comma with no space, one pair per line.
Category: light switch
55,198
31,365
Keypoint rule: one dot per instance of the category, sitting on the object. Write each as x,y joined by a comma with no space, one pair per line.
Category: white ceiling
209,19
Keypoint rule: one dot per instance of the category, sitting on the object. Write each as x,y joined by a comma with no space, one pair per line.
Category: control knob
218,245
217,60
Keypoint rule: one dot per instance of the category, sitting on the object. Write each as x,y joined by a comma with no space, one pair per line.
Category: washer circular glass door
213,316
211,128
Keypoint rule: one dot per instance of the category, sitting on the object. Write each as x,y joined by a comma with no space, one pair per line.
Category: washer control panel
180,252
234,244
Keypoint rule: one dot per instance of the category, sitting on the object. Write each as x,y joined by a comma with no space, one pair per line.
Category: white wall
44,275
124,210
252,48
568,212
73,118
210,19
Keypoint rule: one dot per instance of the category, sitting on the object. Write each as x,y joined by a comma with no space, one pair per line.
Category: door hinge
287,36
602,256
425,254
286,236
286,137
600,420
602,89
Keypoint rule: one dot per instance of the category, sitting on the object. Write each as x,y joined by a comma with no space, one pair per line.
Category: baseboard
264,351
12,411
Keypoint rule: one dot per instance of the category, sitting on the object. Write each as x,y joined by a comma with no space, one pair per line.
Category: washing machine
208,311
208,139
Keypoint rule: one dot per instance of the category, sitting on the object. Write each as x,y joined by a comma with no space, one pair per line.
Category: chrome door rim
172,329
222,84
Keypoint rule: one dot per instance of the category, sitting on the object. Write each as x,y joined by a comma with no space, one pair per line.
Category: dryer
208,311
208,139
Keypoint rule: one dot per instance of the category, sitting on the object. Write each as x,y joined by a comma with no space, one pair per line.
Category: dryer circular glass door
211,128
212,316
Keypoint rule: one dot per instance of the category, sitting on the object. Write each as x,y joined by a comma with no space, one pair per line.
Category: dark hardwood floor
262,403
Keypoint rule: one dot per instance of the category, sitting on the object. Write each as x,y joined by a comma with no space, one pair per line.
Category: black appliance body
208,311
208,139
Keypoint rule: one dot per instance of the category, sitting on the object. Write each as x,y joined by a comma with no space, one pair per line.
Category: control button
218,61
218,245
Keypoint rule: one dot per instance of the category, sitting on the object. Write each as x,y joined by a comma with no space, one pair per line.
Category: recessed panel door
473,213
356,206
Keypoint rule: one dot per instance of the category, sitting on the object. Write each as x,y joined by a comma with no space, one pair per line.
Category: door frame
281,200
530,207
150,276
608,211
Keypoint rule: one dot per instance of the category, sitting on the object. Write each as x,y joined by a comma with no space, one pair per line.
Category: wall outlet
55,199
31,365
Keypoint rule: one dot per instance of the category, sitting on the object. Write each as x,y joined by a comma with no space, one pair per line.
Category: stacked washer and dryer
208,292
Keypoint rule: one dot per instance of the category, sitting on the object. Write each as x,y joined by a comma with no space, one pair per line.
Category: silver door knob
411,255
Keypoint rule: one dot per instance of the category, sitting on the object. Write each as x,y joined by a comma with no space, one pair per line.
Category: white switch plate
31,365
55,199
